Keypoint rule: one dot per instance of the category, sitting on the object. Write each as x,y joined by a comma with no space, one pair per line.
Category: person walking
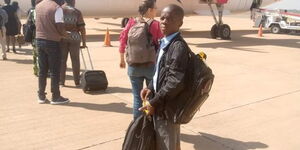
140,39
31,17
3,21
75,27
12,25
49,32
19,38
169,79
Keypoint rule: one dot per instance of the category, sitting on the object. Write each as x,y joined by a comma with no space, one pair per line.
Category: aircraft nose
268,2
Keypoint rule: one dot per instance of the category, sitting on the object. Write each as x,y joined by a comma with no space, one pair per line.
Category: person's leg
54,61
64,57
74,53
7,42
13,40
149,73
43,63
35,61
2,40
137,85
167,134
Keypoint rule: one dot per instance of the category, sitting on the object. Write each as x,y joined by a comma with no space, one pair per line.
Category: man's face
169,23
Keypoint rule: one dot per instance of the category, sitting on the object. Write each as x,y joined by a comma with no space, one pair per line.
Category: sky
286,4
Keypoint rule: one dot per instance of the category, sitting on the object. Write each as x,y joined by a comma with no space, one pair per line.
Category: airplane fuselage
127,8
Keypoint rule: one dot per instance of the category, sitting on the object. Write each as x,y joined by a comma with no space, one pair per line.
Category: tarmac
254,102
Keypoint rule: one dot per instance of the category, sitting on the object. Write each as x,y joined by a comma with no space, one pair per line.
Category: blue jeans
49,58
137,77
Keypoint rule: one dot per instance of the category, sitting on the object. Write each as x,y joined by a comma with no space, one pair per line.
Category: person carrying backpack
139,42
3,21
12,26
169,80
75,26
29,33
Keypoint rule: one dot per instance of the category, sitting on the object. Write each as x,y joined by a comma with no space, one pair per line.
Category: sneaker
43,100
60,100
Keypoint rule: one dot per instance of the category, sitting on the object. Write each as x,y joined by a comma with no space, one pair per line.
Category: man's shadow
111,107
219,143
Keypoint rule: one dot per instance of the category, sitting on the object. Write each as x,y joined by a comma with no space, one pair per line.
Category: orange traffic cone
260,31
107,39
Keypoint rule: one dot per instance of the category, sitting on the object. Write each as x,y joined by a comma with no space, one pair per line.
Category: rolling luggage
92,80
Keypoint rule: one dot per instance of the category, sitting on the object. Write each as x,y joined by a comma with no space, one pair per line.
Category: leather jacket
171,78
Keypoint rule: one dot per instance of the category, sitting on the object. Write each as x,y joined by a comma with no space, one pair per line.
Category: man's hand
147,108
122,60
145,93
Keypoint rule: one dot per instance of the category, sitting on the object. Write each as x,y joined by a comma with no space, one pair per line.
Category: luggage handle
84,63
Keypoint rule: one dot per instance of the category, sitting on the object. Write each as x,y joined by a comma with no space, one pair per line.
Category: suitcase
92,80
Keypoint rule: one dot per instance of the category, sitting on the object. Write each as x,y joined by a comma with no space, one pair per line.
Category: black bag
29,31
199,82
140,135
92,80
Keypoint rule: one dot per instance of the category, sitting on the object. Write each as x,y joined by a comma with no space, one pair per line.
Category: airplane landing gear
219,29
223,31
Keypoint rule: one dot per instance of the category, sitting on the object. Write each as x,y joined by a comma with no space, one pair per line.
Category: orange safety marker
260,31
107,39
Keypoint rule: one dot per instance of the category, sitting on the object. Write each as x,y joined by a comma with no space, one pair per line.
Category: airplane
128,8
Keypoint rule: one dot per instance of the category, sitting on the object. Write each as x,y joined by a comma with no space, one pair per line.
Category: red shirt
154,30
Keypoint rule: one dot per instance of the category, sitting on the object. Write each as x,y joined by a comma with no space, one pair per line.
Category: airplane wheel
276,29
124,22
214,31
225,32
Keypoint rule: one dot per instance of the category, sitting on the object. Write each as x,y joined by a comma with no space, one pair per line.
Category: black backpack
29,28
140,135
198,83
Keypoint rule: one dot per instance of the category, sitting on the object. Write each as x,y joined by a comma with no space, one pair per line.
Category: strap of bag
84,63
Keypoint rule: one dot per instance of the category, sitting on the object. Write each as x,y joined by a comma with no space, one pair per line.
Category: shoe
60,100
43,100
4,58
7,50
14,51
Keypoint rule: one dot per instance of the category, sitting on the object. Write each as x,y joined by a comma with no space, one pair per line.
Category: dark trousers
167,134
72,47
49,56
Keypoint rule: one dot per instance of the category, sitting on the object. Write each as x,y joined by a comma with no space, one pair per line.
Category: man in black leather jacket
168,83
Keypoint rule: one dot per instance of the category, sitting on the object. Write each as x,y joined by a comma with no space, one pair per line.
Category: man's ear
181,23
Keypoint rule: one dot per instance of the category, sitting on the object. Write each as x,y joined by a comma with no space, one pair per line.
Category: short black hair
15,5
33,3
176,10
7,1
145,5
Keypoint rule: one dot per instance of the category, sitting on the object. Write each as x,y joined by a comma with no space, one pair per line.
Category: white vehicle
278,21
128,8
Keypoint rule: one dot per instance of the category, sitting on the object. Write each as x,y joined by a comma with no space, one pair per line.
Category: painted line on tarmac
259,101
101,143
